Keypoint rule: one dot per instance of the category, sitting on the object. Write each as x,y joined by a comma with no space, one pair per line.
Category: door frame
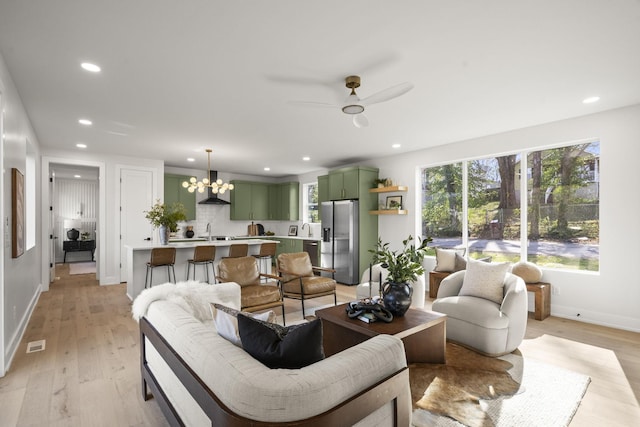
46,202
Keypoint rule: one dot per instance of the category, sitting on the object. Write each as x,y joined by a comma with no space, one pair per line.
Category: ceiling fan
355,106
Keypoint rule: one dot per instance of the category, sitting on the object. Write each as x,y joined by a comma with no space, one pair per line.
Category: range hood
213,198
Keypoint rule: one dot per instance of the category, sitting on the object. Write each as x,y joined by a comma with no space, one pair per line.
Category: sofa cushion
225,320
276,346
485,280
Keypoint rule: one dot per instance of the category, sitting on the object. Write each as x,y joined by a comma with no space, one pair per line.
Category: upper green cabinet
249,200
346,183
174,192
263,201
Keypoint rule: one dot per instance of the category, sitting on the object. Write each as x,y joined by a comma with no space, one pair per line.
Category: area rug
82,268
478,391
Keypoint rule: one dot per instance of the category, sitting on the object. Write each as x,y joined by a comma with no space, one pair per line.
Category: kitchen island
138,256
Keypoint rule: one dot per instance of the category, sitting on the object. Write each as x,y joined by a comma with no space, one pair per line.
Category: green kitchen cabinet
174,192
249,201
287,246
343,184
275,202
323,188
290,201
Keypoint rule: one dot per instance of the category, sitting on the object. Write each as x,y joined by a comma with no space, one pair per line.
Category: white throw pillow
225,320
485,280
445,260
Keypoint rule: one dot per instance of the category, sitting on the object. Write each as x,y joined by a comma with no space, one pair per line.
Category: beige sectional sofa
200,378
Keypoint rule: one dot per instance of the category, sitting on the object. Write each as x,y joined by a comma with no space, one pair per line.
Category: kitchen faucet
308,226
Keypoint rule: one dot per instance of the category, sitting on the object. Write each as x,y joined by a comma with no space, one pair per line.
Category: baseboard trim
14,343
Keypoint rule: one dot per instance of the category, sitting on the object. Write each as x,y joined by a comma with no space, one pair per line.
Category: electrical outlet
555,290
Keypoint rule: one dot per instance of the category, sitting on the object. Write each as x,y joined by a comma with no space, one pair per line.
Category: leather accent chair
485,326
298,280
254,295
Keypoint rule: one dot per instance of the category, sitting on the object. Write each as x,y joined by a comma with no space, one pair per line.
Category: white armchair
483,325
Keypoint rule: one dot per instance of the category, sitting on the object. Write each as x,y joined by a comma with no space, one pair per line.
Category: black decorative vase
397,297
189,233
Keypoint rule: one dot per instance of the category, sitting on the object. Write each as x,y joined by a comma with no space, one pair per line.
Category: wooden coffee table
422,332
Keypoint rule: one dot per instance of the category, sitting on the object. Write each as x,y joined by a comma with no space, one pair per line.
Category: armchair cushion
256,295
310,285
276,346
445,259
485,280
294,265
243,270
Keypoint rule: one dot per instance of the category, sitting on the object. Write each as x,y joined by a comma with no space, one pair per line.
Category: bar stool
202,255
267,252
238,250
161,257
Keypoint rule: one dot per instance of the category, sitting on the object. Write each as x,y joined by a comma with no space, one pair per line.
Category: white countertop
194,243
314,238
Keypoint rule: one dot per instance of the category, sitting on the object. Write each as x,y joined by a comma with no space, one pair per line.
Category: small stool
542,301
161,257
202,255
238,250
266,254
435,277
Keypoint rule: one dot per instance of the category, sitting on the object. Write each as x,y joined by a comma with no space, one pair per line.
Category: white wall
610,297
19,280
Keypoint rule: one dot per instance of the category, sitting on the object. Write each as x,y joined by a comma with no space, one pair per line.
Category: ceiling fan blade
312,104
360,120
387,94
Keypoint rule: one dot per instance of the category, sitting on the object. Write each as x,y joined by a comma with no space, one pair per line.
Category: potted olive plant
165,218
403,267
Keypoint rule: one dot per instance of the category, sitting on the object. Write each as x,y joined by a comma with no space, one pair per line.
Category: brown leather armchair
254,296
298,281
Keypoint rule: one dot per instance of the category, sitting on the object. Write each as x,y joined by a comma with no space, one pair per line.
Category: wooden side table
542,293
435,277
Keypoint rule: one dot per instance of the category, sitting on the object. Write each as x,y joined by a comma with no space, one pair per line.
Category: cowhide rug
454,390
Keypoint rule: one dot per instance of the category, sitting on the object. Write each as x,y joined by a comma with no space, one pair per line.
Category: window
494,208
310,212
561,207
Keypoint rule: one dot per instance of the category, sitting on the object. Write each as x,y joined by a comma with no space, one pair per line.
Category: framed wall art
394,202
293,230
17,213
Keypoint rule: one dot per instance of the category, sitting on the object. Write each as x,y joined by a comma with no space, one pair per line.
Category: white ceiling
181,76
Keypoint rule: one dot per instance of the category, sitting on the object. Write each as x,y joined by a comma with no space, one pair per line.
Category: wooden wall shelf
389,212
395,188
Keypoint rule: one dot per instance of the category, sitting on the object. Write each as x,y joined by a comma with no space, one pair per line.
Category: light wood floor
88,375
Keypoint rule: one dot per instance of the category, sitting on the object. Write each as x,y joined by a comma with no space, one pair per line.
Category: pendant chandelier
216,187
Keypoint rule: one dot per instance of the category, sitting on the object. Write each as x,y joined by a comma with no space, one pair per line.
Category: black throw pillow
276,346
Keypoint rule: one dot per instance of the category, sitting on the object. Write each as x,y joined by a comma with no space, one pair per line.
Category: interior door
136,196
53,236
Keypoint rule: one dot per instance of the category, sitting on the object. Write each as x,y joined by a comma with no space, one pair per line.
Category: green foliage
159,215
405,265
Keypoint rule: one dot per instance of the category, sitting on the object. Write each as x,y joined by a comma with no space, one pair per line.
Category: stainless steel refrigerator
340,239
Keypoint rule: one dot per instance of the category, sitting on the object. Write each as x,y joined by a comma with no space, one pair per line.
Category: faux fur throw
194,297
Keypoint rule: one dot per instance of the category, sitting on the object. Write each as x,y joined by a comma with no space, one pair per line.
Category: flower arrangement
168,216
403,266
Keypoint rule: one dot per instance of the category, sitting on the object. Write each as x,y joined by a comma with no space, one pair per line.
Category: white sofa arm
515,306
451,285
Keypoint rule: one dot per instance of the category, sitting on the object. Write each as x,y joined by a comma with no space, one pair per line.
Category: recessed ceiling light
306,158
81,145
591,100
85,122
77,176
267,169
90,67
191,159
395,146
